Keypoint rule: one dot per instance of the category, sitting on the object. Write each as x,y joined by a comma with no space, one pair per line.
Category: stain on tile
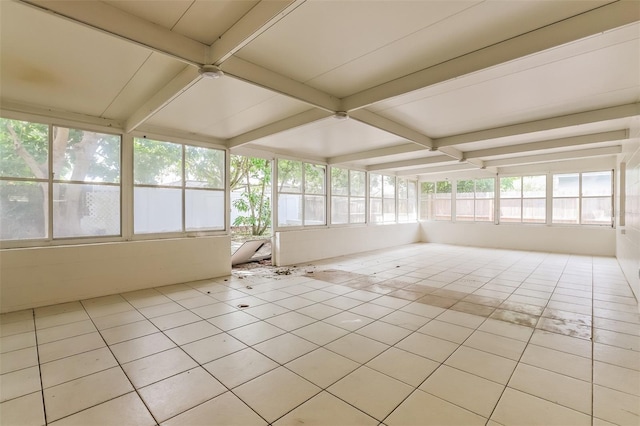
473,309
522,308
567,316
406,295
483,300
379,288
564,327
515,317
441,302
335,276
451,294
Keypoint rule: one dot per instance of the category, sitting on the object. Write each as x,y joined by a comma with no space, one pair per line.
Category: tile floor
420,334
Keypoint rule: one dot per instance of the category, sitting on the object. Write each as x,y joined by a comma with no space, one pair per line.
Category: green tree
253,176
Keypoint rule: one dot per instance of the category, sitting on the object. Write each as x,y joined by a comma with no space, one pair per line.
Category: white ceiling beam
382,123
565,155
438,169
595,21
178,85
615,135
259,76
260,18
612,113
411,163
288,123
375,153
103,16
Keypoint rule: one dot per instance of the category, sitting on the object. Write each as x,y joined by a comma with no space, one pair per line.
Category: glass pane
339,210
289,176
403,210
596,184
534,186
443,189
413,200
24,149
566,185
289,210
357,211
157,163
465,189
82,210
314,178
203,209
339,181
510,210
402,188
314,210
358,183
375,210
204,167
464,210
157,210
375,185
510,187
389,183
442,209
534,210
426,207
389,210
484,210
485,188
23,210
427,188
565,210
596,211
81,155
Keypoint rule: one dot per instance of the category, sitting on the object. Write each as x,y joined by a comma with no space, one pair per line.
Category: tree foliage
253,176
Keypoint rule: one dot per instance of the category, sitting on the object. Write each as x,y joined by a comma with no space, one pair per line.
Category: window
475,200
435,200
58,182
348,200
301,193
177,187
583,198
382,198
523,199
406,200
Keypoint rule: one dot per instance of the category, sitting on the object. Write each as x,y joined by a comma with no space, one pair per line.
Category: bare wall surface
294,247
33,277
628,237
597,241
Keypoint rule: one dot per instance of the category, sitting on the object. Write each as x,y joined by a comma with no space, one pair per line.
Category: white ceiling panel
207,102
44,64
323,35
610,75
471,29
161,12
329,138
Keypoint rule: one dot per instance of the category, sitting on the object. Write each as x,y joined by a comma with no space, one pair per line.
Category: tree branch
31,162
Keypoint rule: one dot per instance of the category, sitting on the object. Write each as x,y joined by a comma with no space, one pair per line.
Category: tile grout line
35,334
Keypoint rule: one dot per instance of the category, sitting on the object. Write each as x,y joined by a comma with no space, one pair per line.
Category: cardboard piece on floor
246,252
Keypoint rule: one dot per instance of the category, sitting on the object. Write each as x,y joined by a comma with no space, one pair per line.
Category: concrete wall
33,277
628,236
299,246
600,241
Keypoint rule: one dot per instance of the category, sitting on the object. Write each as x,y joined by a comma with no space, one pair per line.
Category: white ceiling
427,84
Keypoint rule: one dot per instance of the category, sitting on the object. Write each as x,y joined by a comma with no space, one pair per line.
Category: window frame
51,180
522,199
580,197
349,197
303,194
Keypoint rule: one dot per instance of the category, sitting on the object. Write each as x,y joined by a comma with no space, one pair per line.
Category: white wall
600,241
306,245
628,236
33,277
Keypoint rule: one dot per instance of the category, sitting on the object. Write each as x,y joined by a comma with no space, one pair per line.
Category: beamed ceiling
428,86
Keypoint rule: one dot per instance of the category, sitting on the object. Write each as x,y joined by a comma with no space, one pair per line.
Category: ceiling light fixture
340,115
210,71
